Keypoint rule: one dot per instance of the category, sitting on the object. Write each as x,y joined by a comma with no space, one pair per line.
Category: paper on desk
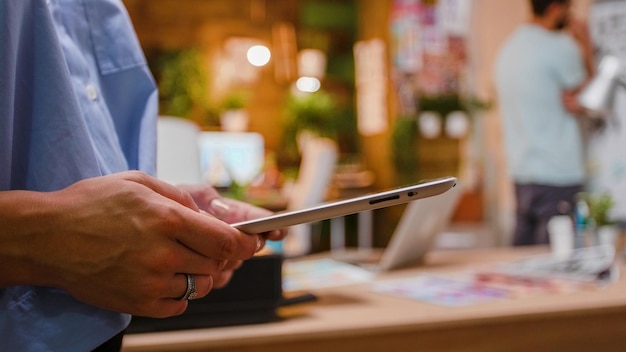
586,265
441,290
542,274
321,273
585,268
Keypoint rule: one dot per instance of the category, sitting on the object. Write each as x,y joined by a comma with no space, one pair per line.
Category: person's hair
539,7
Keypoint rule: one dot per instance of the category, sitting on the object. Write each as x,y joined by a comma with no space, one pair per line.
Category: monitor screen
231,156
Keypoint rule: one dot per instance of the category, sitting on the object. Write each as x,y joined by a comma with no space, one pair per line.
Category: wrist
25,230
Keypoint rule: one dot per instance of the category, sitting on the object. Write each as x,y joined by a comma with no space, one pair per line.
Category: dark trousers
535,206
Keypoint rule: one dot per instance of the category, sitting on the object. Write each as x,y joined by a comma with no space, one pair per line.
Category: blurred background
404,89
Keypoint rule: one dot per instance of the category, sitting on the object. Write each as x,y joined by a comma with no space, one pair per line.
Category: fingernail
260,242
218,208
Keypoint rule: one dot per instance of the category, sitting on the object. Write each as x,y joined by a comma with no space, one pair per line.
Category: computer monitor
231,156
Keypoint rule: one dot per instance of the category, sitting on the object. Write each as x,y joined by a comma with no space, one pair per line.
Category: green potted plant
600,206
183,85
233,116
315,113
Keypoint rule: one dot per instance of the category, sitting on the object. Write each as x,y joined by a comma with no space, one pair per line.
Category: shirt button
92,93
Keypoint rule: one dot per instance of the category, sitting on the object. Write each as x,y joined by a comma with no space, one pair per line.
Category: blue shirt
543,141
76,100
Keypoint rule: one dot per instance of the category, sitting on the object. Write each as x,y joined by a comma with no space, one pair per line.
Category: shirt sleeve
37,104
570,67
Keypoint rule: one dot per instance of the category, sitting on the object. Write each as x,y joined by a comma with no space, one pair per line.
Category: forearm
25,217
580,32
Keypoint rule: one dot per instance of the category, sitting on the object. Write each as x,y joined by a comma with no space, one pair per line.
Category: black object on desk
252,296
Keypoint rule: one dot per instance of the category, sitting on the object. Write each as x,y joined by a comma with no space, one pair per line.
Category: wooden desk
354,319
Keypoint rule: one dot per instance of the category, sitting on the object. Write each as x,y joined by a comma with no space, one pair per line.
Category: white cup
561,232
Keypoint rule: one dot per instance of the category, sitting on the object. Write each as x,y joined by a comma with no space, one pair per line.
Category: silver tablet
349,206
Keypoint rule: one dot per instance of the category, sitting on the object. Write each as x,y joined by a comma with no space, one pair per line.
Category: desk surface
352,318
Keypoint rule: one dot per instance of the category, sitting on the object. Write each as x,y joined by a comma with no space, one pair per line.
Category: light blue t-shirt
543,141
76,100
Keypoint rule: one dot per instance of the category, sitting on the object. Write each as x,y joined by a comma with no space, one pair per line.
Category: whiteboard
607,149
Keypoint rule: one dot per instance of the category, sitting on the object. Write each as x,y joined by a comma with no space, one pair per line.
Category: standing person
87,236
539,71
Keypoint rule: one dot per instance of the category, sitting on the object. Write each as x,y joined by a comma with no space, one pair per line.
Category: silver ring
190,293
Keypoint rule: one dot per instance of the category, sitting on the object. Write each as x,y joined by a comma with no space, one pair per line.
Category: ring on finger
190,292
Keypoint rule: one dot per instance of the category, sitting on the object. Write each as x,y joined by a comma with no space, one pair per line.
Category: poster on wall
429,44
455,16
607,26
607,159
406,34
